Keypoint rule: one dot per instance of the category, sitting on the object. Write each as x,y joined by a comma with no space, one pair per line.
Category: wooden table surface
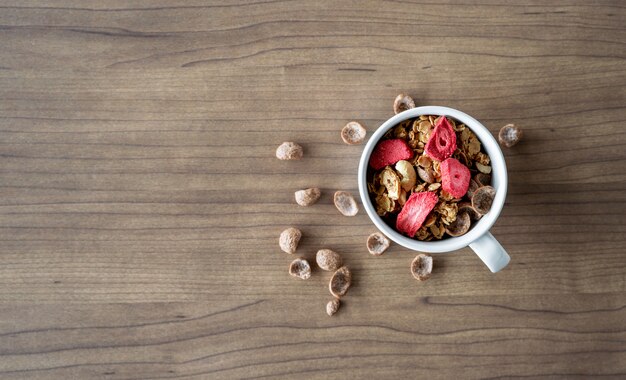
141,201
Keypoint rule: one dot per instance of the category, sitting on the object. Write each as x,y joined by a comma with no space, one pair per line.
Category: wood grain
141,201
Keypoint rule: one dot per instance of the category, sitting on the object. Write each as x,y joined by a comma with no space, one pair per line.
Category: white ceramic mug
478,237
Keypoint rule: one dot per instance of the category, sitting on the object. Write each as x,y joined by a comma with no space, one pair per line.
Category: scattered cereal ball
332,307
340,282
402,103
377,244
300,268
308,196
289,240
328,260
422,267
289,151
353,133
345,203
483,198
460,225
510,135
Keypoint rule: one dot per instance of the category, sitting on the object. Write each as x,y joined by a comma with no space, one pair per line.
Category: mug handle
490,252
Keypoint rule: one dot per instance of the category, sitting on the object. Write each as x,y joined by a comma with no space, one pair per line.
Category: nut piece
300,268
289,240
483,198
328,260
332,306
289,151
340,282
377,244
426,174
353,133
510,135
485,169
308,197
407,172
402,103
391,181
345,203
460,225
422,267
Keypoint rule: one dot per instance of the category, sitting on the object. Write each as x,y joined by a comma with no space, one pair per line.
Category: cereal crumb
332,307
510,135
422,266
300,268
289,240
353,133
340,282
345,203
289,151
308,197
402,102
377,244
328,260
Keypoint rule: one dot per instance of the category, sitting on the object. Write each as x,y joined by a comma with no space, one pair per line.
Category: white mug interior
499,181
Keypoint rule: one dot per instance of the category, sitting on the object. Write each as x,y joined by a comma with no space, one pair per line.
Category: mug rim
498,174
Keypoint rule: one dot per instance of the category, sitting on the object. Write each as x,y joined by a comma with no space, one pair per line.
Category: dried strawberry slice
455,177
415,211
388,152
442,141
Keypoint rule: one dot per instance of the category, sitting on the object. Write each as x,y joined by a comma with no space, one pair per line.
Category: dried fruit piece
345,203
377,244
415,210
300,268
455,177
402,103
422,267
510,135
391,181
483,198
467,208
353,133
460,225
308,196
289,151
289,240
388,152
340,282
442,141
407,174
328,260
332,307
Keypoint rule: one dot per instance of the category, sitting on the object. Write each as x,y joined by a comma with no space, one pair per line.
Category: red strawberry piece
388,152
415,211
455,177
442,141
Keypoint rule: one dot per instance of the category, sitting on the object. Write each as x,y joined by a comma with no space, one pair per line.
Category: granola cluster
392,185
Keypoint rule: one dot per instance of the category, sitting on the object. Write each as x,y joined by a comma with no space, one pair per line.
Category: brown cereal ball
422,267
377,244
340,282
332,307
300,268
510,135
289,240
308,197
328,260
345,203
402,102
353,133
289,151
